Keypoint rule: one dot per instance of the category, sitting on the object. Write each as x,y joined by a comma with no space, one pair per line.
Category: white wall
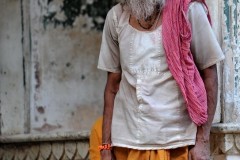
11,68
67,88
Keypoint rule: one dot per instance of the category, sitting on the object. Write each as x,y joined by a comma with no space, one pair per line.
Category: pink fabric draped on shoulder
176,42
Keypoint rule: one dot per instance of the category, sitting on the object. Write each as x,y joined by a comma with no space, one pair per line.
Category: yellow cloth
132,154
95,140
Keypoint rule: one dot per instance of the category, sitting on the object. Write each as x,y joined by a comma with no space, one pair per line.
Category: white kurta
149,110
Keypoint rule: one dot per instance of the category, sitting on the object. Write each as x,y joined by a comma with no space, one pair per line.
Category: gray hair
142,9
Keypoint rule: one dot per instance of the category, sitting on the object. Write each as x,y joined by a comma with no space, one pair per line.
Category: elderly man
161,89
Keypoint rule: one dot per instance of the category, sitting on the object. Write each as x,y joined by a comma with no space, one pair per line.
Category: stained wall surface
231,73
66,87
11,69
56,87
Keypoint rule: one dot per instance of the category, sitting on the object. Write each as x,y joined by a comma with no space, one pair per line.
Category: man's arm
110,92
201,150
210,79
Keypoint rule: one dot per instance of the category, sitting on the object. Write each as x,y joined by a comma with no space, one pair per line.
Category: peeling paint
68,64
12,107
37,75
237,53
231,48
64,59
41,109
48,127
65,12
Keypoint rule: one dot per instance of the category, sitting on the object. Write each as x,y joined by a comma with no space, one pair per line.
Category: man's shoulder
117,9
118,6
115,14
196,6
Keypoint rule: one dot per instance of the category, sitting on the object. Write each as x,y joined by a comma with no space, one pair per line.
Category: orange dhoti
132,154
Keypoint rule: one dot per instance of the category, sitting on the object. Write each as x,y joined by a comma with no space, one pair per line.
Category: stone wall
61,146
65,80
67,150
54,85
51,92
49,52
12,111
225,135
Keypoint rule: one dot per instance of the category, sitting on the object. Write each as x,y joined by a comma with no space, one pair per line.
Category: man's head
142,9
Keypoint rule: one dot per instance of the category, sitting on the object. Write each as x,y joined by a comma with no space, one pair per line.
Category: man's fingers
190,155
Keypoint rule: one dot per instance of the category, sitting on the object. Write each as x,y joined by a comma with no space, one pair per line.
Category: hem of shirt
109,70
155,147
212,63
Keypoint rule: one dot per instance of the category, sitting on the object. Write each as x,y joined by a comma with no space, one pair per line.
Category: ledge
225,128
49,137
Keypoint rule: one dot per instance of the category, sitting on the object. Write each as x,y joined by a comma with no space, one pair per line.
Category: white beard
142,9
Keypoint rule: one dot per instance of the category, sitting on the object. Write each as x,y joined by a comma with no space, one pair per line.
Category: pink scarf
176,42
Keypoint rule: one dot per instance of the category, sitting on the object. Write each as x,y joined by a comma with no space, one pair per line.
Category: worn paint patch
66,60
231,48
41,109
64,12
48,127
37,75
237,53
12,91
80,117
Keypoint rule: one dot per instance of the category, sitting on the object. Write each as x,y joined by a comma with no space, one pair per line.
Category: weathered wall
49,81
225,135
67,88
65,46
215,12
231,72
11,68
58,87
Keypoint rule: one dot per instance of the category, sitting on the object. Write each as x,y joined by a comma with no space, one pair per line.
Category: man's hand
201,151
106,155
110,92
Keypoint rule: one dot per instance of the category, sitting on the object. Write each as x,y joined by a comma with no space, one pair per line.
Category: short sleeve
109,57
204,45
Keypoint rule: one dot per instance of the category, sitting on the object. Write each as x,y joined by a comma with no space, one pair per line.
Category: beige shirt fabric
149,110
